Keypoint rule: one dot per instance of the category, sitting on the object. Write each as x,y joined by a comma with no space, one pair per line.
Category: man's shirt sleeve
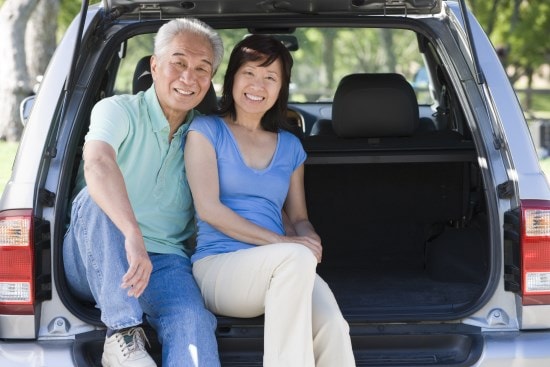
109,122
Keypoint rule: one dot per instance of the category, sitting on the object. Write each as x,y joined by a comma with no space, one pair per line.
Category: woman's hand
312,243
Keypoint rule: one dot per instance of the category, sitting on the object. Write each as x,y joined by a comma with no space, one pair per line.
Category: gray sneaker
127,349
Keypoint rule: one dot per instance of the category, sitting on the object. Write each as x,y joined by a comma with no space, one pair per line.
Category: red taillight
535,251
16,262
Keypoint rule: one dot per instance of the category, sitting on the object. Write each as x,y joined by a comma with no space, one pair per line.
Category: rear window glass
322,56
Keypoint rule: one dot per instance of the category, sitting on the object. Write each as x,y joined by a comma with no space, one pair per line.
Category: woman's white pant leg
331,339
274,279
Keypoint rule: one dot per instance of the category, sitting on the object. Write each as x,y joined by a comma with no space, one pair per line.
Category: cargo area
401,240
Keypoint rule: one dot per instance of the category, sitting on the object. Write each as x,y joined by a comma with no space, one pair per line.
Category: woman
243,169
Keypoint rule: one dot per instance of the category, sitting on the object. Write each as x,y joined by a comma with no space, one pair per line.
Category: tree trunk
15,86
388,50
529,91
328,56
40,40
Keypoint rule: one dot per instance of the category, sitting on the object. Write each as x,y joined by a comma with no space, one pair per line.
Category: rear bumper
458,346
520,349
524,349
37,353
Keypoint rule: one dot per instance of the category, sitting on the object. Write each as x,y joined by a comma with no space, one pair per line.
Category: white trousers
303,324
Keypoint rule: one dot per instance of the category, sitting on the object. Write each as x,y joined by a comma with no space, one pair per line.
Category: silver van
429,199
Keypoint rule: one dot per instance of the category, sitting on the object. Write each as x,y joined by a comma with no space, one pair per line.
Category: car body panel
511,332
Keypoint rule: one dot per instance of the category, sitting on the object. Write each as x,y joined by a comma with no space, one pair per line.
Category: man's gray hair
175,27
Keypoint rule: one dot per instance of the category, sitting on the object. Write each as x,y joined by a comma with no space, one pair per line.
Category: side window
134,49
422,85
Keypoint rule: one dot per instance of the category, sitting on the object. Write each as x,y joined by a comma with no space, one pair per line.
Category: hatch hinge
497,142
150,11
395,7
505,190
398,7
46,197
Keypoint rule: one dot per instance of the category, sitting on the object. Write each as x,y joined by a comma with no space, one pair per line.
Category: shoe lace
133,340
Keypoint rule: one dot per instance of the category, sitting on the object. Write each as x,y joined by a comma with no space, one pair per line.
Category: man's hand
139,271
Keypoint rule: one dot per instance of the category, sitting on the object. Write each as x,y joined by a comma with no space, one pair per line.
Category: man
124,249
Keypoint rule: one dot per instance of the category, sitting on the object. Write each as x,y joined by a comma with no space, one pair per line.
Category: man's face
182,74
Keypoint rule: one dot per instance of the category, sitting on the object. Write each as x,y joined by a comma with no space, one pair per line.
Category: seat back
143,80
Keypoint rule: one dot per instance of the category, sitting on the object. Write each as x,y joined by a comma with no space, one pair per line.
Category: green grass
540,107
7,154
545,165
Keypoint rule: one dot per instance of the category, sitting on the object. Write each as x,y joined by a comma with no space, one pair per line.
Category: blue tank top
257,195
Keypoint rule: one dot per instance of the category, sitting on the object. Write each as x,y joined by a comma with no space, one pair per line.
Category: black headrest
142,75
143,80
322,127
374,105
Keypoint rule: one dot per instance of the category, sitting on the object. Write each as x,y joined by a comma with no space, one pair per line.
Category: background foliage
518,29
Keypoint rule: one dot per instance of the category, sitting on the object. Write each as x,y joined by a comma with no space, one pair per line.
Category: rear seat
373,180
379,112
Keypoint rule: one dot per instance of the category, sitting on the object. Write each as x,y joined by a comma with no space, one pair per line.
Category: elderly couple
242,173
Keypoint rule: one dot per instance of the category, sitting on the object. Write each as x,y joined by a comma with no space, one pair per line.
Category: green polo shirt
153,168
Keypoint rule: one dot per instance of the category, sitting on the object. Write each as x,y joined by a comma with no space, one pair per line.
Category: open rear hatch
168,9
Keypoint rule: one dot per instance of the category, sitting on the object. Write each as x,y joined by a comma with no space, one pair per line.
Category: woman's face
256,88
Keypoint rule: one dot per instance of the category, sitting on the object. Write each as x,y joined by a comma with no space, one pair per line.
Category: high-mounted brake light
16,262
535,251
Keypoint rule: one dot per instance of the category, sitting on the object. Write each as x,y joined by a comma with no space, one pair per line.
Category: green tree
15,85
518,29
28,44
67,12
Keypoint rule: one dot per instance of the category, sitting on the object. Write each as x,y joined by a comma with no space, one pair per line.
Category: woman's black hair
254,48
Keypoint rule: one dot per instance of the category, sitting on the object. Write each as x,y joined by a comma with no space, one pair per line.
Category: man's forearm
107,188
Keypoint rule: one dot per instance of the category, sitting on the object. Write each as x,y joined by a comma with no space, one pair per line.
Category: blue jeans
95,261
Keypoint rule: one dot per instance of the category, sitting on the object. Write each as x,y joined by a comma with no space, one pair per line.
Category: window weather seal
51,151
480,78
69,84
